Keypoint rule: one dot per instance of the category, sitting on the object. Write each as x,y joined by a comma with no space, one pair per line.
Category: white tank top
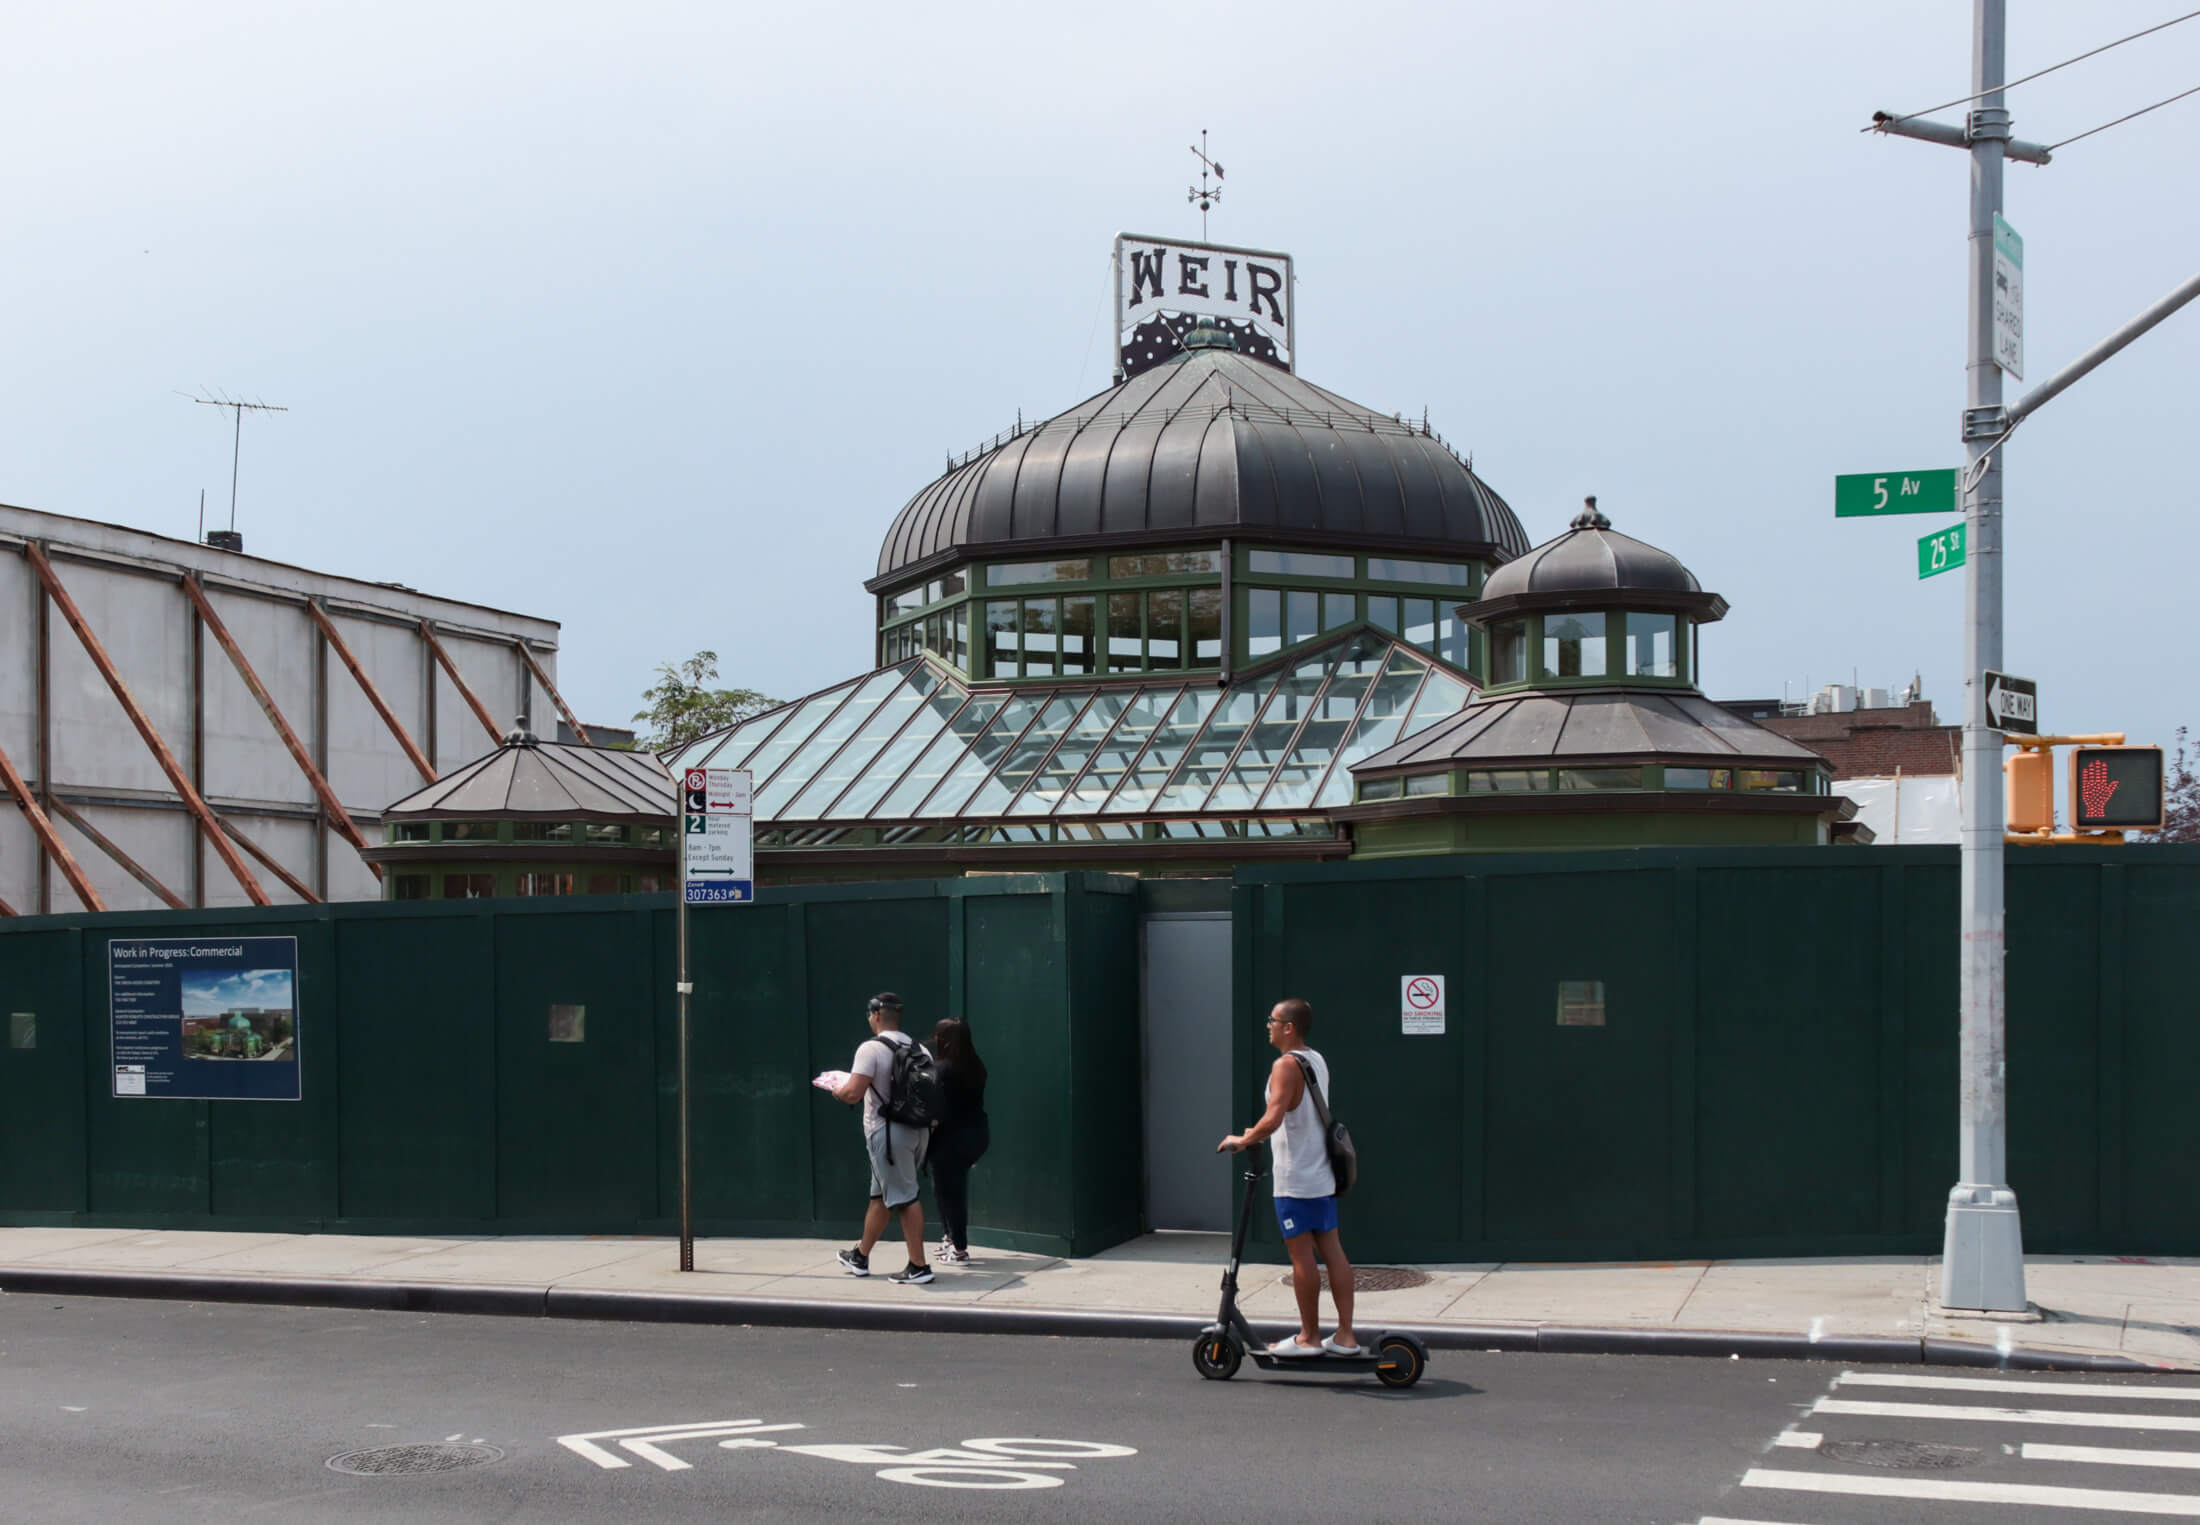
1299,1152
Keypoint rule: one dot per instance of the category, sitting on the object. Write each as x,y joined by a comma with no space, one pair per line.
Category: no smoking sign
1421,1005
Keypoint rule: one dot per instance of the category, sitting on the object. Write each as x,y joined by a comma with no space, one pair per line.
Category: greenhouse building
1152,633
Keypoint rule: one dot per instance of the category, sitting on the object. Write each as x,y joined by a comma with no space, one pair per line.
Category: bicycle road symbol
1422,993
992,1464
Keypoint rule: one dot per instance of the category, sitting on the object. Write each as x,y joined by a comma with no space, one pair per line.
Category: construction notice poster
205,1018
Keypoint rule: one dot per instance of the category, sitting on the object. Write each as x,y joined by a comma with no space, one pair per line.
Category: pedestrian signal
2029,795
2116,789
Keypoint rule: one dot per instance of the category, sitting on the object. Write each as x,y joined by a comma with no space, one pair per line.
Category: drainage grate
406,1461
1906,1455
1381,1278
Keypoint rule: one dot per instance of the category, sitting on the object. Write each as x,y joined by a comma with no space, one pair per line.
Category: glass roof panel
1441,698
807,717
1209,752
883,774
1300,774
1141,783
1295,698
744,740
978,757
943,754
1052,782
1378,724
1119,750
772,797
1031,749
883,724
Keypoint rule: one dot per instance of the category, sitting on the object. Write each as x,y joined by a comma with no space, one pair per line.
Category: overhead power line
2142,111
1964,100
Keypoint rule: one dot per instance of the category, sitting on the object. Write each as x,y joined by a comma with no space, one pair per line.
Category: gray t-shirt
875,1058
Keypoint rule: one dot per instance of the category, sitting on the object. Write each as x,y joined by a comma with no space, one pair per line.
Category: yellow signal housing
2028,779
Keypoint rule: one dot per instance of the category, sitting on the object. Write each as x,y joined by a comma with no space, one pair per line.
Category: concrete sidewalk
2097,1311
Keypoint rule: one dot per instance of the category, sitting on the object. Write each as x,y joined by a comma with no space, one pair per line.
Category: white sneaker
1292,1350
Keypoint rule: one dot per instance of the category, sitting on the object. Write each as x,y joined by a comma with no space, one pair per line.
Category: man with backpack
893,1076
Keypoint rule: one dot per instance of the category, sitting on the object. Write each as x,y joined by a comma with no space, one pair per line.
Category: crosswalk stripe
1720,1519
2082,1420
2004,1385
2109,1456
2184,1506
1804,1440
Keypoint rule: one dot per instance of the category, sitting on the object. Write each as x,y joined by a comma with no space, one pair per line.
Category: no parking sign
1421,1005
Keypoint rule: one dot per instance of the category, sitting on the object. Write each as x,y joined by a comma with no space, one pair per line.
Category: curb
962,1318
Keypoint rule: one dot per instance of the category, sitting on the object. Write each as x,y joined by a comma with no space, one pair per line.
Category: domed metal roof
1587,566
1212,443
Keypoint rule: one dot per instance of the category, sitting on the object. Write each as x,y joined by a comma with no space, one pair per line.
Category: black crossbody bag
1344,1160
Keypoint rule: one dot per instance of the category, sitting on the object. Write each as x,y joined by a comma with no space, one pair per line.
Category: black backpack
1344,1160
915,1097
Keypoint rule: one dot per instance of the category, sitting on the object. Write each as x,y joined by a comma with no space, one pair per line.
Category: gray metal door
1187,1010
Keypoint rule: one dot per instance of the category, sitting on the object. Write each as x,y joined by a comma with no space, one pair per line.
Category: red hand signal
2095,788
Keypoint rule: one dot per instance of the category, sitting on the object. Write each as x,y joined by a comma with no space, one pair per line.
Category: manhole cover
1908,1455
401,1461
1382,1278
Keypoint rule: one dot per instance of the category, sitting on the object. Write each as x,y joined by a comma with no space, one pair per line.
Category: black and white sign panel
1164,286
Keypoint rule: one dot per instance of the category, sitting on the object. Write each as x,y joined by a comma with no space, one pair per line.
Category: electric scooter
1397,1359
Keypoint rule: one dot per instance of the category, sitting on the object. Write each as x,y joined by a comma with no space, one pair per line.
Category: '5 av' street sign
1869,496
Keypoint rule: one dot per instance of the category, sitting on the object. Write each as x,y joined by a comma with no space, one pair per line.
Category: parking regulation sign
1421,1005
717,858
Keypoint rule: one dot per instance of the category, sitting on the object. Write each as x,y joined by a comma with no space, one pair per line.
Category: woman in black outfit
961,1137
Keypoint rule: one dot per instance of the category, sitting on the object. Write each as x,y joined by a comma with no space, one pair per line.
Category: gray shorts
896,1183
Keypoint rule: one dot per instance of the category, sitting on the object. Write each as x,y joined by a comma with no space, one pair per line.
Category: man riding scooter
1305,1186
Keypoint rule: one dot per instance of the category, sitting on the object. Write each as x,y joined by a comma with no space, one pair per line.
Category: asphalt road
118,1411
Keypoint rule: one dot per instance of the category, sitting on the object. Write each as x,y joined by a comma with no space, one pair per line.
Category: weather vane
1203,195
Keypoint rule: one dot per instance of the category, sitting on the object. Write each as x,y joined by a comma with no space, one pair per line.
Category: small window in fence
568,1024
1581,1003
22,1029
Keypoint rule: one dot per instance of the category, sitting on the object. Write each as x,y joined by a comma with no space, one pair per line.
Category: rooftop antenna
1203,196
236,442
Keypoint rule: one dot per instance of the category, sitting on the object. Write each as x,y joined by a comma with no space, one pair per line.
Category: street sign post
2008,298
717,866
1872,495
1942,552
2012,704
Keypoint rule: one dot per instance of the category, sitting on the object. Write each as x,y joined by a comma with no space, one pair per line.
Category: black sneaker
855,1262
914,1275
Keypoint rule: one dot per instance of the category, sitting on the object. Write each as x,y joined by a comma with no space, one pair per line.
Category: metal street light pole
1982,1254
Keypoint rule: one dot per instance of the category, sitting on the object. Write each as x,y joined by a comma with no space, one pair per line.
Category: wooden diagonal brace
8,910
338,816
130,866
496,732
551,689
50,839
366,686
177,779
291,881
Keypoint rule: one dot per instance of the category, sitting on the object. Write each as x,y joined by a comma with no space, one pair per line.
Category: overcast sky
649,318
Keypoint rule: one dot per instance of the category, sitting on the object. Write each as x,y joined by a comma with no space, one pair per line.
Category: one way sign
2012,704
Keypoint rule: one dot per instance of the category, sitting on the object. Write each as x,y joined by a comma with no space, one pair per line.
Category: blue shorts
1306,1215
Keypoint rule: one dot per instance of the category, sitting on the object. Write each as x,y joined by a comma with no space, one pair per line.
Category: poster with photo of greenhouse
205,1018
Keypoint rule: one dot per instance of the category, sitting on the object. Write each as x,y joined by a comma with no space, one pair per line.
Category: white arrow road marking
638,1440
2005,1385
2011,1416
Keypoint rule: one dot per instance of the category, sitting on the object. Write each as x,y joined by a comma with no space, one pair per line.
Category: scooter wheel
1217,1356
1400,1360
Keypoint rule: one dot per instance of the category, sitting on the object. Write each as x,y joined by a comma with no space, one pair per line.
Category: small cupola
1593,607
